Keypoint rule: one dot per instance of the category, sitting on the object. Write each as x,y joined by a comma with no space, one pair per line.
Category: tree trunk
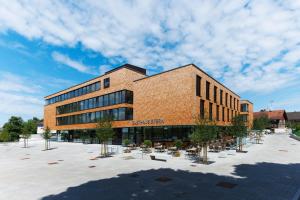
24,140
205,153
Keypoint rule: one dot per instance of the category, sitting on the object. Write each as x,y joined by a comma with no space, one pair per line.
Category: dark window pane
105,100
118,98
115,114
97,86
122,114
112,99
202,111
198,86
90,103
106,83
100,103
207,90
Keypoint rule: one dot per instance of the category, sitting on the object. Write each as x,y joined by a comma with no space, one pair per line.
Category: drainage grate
60,160
25,158
226,185
283,150
92,166
163,179
93,159
52,163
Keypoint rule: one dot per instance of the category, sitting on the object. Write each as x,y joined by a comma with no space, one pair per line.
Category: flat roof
191,64
127,66
246,100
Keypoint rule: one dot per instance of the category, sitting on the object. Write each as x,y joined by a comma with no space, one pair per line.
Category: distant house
293,117
40,127
278,118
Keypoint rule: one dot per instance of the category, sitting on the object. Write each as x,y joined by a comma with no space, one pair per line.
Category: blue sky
252,47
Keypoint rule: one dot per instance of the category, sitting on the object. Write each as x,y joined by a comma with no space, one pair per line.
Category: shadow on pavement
259,181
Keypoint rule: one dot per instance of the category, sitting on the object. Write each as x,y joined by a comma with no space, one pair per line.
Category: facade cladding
161,107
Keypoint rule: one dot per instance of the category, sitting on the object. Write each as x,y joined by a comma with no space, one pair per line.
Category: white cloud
72,63
152,33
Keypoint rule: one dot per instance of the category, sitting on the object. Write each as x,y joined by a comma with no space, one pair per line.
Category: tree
260,124
205,130
239,130
104,132
26,132
4,136
47,136
14,127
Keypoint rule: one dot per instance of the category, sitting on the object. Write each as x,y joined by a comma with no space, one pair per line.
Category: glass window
210,111
100,101
129,97
84,118
115,114
90,103
122,114
118,98
106,83
123,94
207,90
198,86
84,90
92,117
202,111
93,87
98,86
76,93
112,99
80,91
97,117
215,94
105,100
218,113
81,105
86,104
129,114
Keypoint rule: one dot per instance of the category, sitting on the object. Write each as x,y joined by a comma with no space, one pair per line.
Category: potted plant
148,144
126,142
178,144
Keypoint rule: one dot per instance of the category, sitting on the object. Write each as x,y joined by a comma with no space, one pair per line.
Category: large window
223,114
221,97
226,99
218,112
198,86
228,118
207,90
75,93
123,96
244,107
230,101
215,94
118,114
202,111
210,111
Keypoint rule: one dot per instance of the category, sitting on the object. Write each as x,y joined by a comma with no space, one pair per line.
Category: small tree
178,144
148,143
4,136
47,136
26,132
205,130
239,130
14,127
104,132
260,124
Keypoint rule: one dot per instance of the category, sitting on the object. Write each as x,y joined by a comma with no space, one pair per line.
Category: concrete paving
268,171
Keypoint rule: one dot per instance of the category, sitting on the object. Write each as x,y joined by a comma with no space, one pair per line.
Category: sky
253,47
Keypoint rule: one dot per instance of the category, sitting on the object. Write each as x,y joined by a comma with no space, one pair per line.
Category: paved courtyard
69,171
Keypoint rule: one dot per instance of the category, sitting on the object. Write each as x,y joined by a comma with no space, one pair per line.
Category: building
293,117
277,118
161,107
246,111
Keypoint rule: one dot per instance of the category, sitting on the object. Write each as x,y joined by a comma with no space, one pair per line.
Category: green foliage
238,128
178,144
104,130
261,123
148,143
14,127
4,136
27,130
205,131
126,142
47,134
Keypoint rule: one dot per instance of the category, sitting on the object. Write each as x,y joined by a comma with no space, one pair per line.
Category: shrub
178,144
148,143
126,142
